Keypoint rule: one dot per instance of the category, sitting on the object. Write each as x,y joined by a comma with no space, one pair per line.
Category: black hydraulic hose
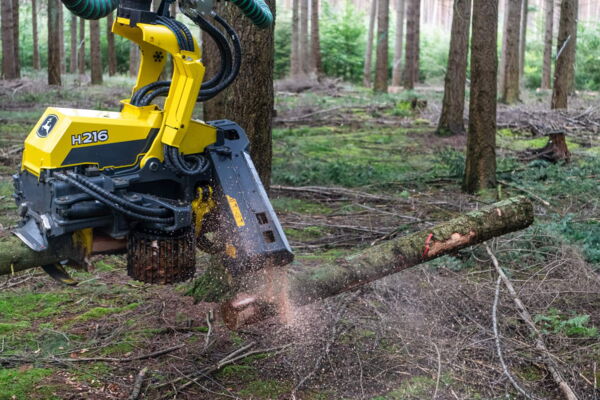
152,212
181,39
116,207
224,51
137,96
180,163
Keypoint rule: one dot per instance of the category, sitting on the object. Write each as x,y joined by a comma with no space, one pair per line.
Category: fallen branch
137,385
271,292
539,339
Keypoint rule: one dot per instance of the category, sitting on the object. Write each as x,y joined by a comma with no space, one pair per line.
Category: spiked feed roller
150,176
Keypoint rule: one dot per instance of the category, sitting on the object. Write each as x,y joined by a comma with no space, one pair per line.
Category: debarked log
272,292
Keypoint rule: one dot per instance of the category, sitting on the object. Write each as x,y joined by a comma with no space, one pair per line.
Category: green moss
300,206
416,387
17,384
308,233
30,306
100,312
238,372
9,327
213,285
267,389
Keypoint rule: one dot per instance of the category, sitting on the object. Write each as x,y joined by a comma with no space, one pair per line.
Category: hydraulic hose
257,10
91,9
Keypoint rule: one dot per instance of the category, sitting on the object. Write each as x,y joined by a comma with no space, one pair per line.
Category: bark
480,168
34,33
295,66
452,118
53,43
565,54
573,50
369,49
17,40
381,64
411,64
304,46
510,85
73,55
523,40
269,293
95,54
315,40
548,31
81,52
112,54
556,150
134,59
9,65
250,99
397,69
61,39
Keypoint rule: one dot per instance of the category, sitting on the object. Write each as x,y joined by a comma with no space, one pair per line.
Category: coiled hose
257,10
91,9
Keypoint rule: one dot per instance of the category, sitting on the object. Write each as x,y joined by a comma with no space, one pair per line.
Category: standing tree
61,44
304,46
95,54
381,64
9,64
296,66
565,54
397,68
250,99
510,50
134,59
316,61
413,32
53,43
369,48
73,55
453,106
16,39
34,33
81,47
523,39
480,166
548,31
110,39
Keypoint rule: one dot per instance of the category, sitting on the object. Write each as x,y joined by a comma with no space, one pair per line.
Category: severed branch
539,339
272,292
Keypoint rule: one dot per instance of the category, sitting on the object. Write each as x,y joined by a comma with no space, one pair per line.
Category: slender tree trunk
34,32
250,99
95,54
81,47
381,67
510,86
399,45
523,40
53,43
565,54
295,67
573,49
548,32
317,63
411,64
369,49
17,40
304,46
9,67
112,54
73,55
61,44
480,168
453,106
134,59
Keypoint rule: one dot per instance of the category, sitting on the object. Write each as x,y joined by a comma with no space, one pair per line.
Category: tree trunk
112,54
304,46
381,64
295,66
548,32
17,40
453,106
397,68
510,86
268,292
249,101
411,64
61,38
34,32
573,50
565,54
9,67
73,55
369,48
81,52
53,43
134,59
95,54
556,150
315,39
480,166
523,40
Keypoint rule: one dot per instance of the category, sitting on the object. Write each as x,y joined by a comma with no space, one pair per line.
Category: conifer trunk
295,67
53,43
548,32
368,66
73,55
399,45
411,64
565,54
81,47
35,37
95,54
381,67
9,66
304,46
510,75
315,39
110,38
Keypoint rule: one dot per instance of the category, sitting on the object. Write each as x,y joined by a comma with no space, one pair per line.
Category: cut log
272,292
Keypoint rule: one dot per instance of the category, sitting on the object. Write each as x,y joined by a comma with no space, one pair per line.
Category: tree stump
556,150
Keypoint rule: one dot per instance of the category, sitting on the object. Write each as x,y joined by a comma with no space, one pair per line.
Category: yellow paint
84,239
201,206
230,251
235,210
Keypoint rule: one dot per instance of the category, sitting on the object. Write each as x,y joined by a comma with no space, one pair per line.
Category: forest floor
350,169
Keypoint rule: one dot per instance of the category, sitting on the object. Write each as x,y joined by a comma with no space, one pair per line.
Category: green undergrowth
569,325
21,383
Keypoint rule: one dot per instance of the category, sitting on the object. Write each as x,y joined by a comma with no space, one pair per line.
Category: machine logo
47,126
